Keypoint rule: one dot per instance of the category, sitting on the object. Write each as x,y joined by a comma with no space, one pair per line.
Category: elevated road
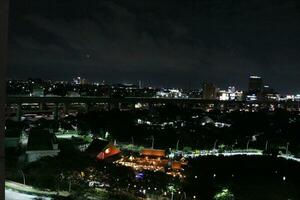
153,100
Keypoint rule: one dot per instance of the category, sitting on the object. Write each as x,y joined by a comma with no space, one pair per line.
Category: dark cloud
172,43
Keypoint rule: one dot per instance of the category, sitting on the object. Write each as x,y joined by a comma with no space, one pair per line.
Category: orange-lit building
153,160
153,153
102,149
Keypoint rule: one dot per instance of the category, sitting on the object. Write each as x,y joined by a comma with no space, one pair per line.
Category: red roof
111,150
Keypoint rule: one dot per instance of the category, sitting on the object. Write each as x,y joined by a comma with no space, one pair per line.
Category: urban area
93,140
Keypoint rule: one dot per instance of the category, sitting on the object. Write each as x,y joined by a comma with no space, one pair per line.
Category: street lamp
287,148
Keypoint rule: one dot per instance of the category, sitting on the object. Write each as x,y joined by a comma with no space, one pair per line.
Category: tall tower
209,91
255,85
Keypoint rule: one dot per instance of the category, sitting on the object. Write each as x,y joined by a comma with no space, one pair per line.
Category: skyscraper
255,85
209,91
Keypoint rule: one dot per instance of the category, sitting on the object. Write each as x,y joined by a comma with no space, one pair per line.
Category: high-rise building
79,81
255,85
269,93
209,91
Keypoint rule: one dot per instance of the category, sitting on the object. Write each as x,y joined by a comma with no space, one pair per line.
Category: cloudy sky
163,43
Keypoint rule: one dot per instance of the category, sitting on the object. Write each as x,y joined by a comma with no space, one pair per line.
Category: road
13,195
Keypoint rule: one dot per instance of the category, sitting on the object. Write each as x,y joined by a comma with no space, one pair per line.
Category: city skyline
162,43
147,100
265,85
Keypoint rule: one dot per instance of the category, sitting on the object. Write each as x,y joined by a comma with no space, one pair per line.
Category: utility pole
23,176
215,144
248,144
70,185
266,146
287,148
177,144
152,141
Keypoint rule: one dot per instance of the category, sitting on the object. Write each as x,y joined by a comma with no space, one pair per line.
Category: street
13,195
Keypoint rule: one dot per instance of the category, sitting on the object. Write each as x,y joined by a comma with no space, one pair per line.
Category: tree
225,194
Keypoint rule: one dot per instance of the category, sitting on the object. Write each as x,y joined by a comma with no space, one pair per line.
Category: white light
255,77
284,178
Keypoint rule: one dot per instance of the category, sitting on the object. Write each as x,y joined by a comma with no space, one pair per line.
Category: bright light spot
224,194
107,150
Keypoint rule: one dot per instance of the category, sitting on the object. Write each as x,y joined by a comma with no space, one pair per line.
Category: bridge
93,99
112,102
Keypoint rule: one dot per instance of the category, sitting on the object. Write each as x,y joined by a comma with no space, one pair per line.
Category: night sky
163,43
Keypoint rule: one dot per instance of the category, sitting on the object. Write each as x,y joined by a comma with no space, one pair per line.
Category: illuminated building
223,95
102,149
255,87
270,94
170,93
230,95
153,153
153,160
79,81
251,97
37,92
